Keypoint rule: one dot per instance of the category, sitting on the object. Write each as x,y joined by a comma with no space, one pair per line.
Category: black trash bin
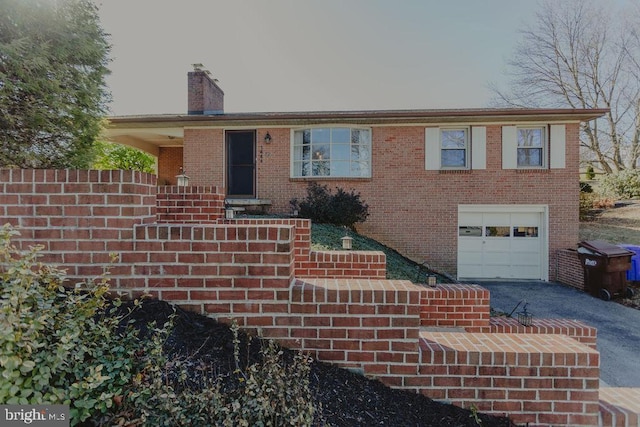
605,268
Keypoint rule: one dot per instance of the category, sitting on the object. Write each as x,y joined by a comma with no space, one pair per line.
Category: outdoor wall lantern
183,179
267,138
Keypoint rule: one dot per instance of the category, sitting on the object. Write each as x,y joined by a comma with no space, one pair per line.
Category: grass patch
326,237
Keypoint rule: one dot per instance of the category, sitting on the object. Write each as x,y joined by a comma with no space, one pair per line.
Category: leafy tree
578,54
53,61
116,156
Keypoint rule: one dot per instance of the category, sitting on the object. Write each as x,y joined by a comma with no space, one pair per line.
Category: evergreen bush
321,206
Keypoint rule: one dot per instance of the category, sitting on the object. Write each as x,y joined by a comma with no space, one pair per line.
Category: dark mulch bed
344,397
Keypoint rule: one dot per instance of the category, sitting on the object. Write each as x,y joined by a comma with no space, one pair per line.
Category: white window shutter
432,148
509,147
557,144
478,147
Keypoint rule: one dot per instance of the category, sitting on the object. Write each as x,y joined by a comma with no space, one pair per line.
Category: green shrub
585,187
624,184
58,346
270,393
586,205
321,206
590,173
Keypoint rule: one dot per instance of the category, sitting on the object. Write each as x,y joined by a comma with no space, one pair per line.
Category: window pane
360,169
525,231
360,136
340,168
470,231
320,152
454,138
530,137
340,152
322,168
300,169
360,152
453,158
321,135
498,231
302,153
340,135
529,156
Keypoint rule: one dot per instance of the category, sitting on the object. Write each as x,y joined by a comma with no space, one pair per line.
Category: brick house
478,193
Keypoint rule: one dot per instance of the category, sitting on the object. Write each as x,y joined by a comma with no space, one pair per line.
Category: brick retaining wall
456,306
258,271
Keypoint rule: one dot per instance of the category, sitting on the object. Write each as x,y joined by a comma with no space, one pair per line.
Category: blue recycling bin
633,274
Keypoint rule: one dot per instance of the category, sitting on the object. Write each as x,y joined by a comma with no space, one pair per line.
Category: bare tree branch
578,54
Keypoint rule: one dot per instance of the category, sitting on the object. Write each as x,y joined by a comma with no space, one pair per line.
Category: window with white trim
331,152
454,148
531,147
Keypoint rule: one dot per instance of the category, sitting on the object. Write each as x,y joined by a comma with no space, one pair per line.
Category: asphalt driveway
618,326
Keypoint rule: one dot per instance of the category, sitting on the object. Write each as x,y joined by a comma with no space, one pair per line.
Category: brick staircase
174,245
543,374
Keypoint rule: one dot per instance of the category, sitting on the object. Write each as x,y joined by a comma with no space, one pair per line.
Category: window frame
544,147
294,161
467,147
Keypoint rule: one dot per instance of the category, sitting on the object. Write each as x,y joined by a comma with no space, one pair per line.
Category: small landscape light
432,281
347,242
525,318
228,211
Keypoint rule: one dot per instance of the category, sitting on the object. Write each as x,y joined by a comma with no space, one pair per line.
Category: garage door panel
470,219
525,245
497,219
520,259
497,244
468,270
498,271
470,244
510,245
496,258
528,272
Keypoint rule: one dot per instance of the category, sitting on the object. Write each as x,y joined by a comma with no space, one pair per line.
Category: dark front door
241,163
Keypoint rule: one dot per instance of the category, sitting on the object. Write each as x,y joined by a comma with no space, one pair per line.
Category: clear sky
301,55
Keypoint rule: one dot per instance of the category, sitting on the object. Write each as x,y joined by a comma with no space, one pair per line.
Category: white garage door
502,242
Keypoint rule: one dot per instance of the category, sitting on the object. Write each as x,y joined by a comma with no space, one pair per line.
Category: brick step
572,328
619,406
534,378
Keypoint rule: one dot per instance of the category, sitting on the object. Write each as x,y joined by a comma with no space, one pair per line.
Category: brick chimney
205,97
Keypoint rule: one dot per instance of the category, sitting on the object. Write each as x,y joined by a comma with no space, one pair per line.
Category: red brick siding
370,325
542,380
189,204
245,269
204,156
570,269
169,164
456,306
414,210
